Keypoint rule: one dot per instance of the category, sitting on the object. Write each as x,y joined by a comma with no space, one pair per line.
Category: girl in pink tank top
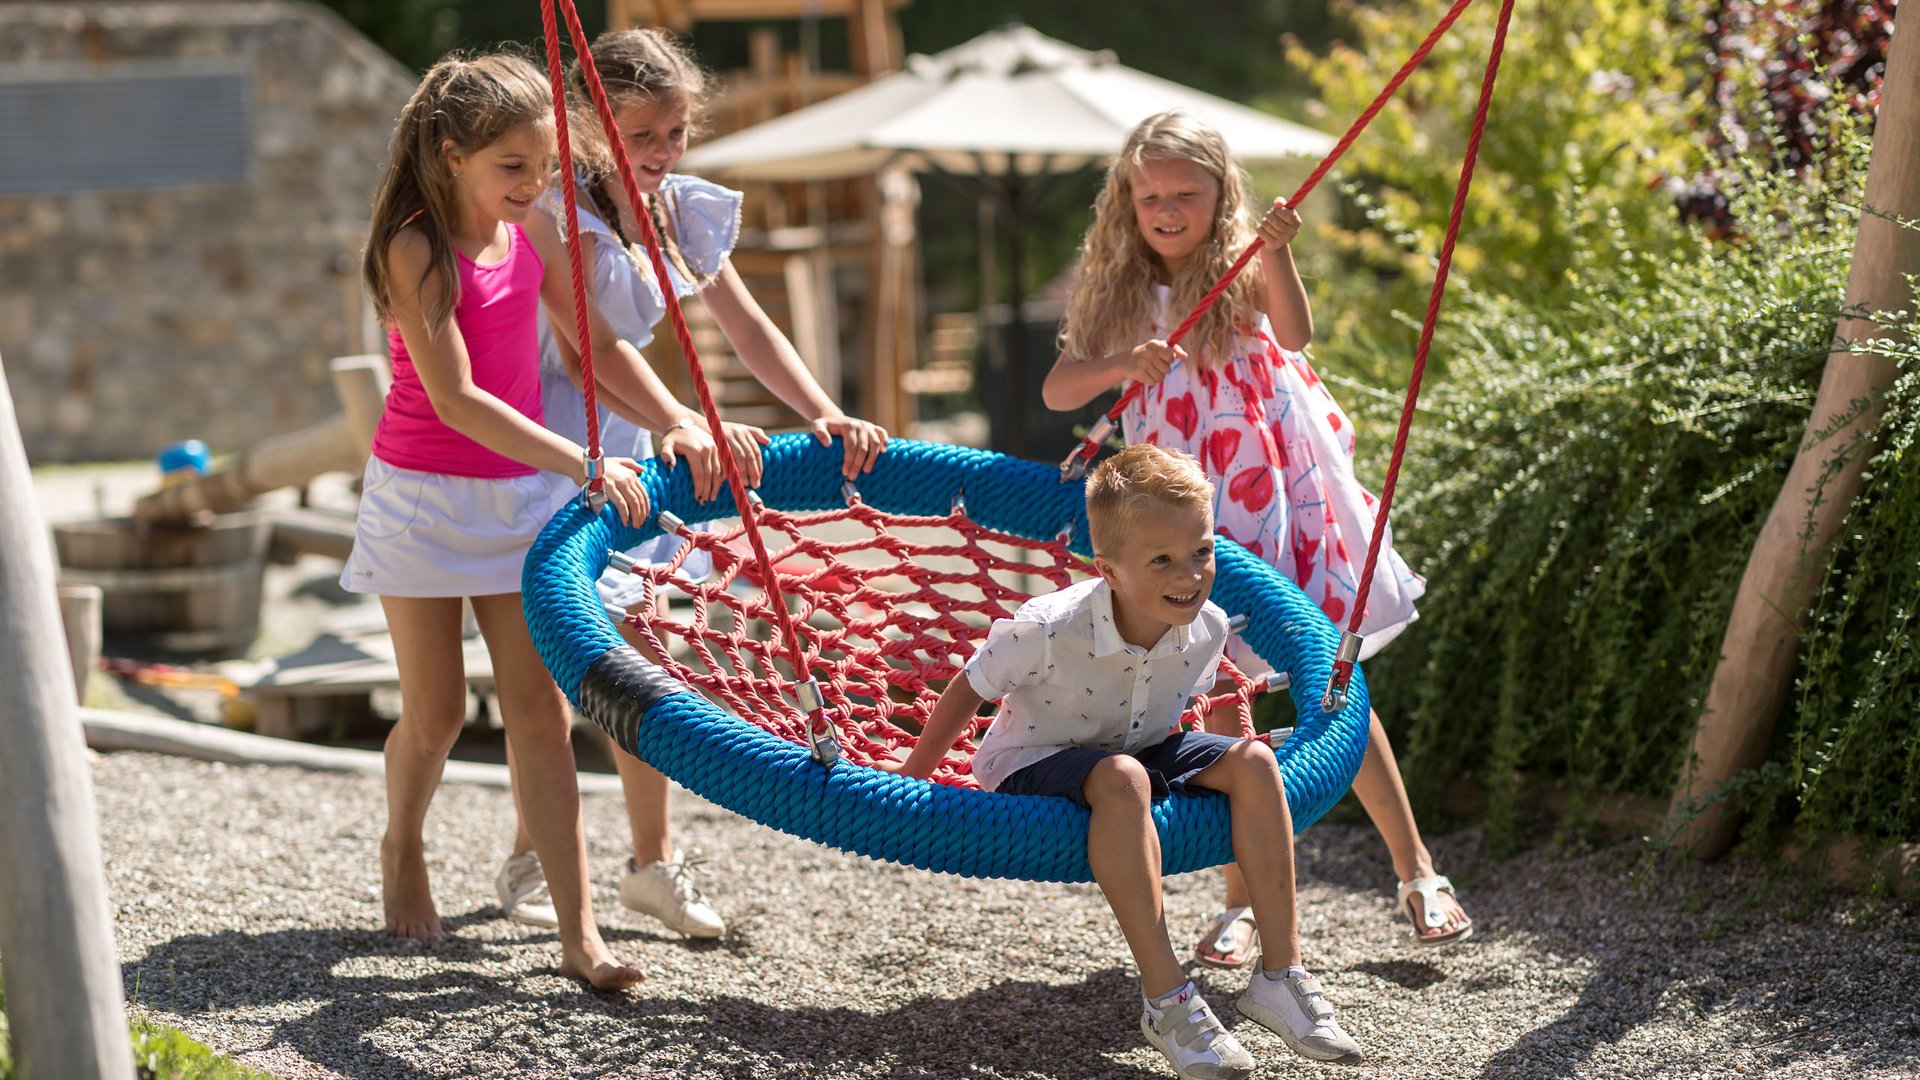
498,315
460,267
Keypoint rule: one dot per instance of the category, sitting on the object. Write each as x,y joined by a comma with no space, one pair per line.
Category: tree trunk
1760,652
56,930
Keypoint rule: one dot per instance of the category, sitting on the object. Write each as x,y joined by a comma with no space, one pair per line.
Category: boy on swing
1091,680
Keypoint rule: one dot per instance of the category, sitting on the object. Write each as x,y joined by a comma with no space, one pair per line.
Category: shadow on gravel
326,978
1009,1029
1405,974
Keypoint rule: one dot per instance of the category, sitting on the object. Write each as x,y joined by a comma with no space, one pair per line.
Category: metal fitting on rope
1278,736
754,498
1075,466
850,492
1071,467
621,561
821,739
960,503
1065,535
591,488
1335,698
1237,623
670,522
1097,436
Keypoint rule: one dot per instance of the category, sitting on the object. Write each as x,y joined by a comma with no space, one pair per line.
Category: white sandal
1429,915
1219,938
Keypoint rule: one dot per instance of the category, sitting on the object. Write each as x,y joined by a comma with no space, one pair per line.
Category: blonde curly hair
1111,307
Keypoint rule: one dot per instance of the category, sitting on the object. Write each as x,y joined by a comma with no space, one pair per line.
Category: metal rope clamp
595,497
1335,698
821,739
1073,468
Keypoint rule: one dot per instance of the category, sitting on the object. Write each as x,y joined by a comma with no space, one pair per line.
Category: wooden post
80,616
1762,643
56,929
361,382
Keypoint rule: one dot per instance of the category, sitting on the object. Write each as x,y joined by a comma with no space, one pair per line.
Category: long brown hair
1111,306
646,66
474,103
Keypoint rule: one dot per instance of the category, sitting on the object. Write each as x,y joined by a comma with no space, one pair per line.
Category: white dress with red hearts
1280,451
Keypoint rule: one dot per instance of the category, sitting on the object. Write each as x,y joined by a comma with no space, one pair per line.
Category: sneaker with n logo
1196,1043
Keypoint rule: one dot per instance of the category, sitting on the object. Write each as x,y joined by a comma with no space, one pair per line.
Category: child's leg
1239,933
538,730
646,791
433,693
1385,799
1262,843
1124,850
1283,996
643,785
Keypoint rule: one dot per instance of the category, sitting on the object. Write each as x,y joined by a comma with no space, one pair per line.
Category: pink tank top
499,319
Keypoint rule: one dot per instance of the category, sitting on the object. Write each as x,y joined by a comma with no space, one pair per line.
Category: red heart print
1221,446
1182,415
1334,606
1303,549
1252,488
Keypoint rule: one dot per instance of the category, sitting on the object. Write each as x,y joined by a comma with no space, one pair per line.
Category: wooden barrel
192,590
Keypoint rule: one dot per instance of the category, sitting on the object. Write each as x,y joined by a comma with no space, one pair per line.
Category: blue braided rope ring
869,812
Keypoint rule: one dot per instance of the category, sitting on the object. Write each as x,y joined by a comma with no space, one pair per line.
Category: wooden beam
1761,648
280,461
56,927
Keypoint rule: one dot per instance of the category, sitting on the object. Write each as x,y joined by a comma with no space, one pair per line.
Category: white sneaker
523,891
665,890
1295,1008
1196,1043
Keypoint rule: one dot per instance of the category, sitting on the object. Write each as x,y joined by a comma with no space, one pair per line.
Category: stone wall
132,318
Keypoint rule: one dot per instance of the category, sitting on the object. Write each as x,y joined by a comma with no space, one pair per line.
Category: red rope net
893,605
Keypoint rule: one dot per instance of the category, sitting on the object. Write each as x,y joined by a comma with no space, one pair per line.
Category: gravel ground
248,913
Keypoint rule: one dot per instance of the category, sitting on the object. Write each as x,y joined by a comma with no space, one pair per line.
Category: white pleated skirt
429,534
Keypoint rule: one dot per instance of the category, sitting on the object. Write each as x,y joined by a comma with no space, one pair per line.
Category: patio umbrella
1010,109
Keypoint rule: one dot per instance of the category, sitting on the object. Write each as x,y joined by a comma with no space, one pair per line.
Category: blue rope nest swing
759,774
767,778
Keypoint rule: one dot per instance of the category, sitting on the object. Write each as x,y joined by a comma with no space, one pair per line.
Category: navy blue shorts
1171,764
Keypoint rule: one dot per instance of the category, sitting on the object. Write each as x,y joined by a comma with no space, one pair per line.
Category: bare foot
405,892
594,964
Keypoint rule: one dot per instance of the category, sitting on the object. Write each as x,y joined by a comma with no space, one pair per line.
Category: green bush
1583,489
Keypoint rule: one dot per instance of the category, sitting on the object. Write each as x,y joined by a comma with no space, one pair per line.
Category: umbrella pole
1016,384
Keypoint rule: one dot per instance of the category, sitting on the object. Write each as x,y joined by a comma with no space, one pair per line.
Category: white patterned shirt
1066,678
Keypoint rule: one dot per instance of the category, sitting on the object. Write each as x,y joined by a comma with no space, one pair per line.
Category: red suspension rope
595,482
807,688
1336,692
1076,462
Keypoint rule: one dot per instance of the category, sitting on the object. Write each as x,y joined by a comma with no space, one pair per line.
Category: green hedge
1584,485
